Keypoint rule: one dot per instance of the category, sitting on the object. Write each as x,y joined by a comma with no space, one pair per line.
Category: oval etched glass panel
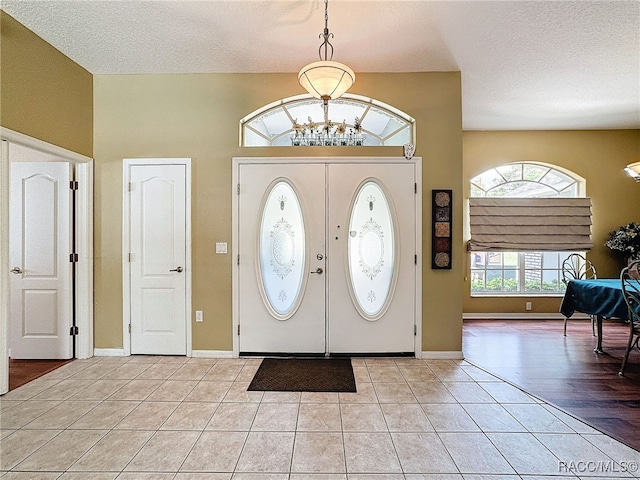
371,250
282,250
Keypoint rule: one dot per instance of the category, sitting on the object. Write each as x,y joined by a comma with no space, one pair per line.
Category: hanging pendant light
633,169
326,79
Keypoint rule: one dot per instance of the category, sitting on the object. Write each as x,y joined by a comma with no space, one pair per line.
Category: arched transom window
354,120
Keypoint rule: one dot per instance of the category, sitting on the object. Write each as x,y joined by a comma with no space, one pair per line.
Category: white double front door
327,258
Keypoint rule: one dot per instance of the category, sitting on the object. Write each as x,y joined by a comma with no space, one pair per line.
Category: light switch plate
221,247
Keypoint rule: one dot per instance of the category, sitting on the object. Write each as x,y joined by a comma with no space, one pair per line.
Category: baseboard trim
212,353
521,316
443,355
119,352
108,352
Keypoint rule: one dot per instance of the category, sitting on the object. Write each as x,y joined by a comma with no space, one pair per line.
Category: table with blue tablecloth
602,298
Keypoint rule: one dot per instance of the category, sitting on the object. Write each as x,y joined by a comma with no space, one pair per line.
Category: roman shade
530,224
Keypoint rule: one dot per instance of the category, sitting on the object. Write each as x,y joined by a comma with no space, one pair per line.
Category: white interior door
281,258
158,259
39,249
371,258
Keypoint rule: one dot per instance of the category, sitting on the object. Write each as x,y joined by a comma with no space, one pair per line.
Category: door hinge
73,330
130,257
415,259
73,185
131,186
73,257
415,330
415,188
238,189
129,328
238,259
238,329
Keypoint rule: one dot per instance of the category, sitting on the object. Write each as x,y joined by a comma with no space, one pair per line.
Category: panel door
40,245
157,259
371,258
281,258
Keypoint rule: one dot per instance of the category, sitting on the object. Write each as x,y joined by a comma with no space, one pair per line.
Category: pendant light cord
326,35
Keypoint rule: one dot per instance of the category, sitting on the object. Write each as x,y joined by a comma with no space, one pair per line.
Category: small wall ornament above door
409,149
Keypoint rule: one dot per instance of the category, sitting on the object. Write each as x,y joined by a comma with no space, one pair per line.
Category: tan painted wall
598,156
197,116
43,93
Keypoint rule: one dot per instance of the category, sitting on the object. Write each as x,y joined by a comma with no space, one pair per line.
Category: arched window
495,273
525,179
354,120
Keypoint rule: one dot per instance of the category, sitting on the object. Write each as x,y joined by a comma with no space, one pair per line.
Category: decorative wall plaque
441,232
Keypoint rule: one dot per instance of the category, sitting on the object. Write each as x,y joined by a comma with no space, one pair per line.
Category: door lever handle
16,270
177,269
318,271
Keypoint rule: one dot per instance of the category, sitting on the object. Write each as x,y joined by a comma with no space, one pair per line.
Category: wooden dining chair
631,291
577,267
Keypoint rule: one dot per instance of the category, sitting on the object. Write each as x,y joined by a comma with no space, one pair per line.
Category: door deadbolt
319,256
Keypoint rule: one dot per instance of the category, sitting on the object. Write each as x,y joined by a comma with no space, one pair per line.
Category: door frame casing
84,244
126,268
235,228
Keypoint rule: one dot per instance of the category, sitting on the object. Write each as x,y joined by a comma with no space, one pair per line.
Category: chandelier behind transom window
353,120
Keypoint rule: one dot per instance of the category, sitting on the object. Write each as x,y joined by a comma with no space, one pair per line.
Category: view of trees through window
517,272
525,273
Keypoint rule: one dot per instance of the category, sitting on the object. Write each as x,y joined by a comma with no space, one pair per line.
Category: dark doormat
304,375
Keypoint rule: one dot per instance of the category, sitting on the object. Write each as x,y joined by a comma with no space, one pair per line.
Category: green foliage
511,285
553,286
495,285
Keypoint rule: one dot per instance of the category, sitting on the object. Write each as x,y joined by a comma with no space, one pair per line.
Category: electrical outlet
527,306
199,316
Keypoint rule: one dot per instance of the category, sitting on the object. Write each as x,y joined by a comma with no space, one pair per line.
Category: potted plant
625,241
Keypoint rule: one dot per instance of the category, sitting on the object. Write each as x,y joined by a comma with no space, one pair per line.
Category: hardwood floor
564,371
23,371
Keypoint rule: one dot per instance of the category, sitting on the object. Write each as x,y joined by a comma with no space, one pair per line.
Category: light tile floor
177,418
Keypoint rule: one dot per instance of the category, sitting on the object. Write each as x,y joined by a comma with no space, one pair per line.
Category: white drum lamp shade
326,79
633,169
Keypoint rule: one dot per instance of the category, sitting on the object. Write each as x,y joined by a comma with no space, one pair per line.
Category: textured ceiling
524,64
